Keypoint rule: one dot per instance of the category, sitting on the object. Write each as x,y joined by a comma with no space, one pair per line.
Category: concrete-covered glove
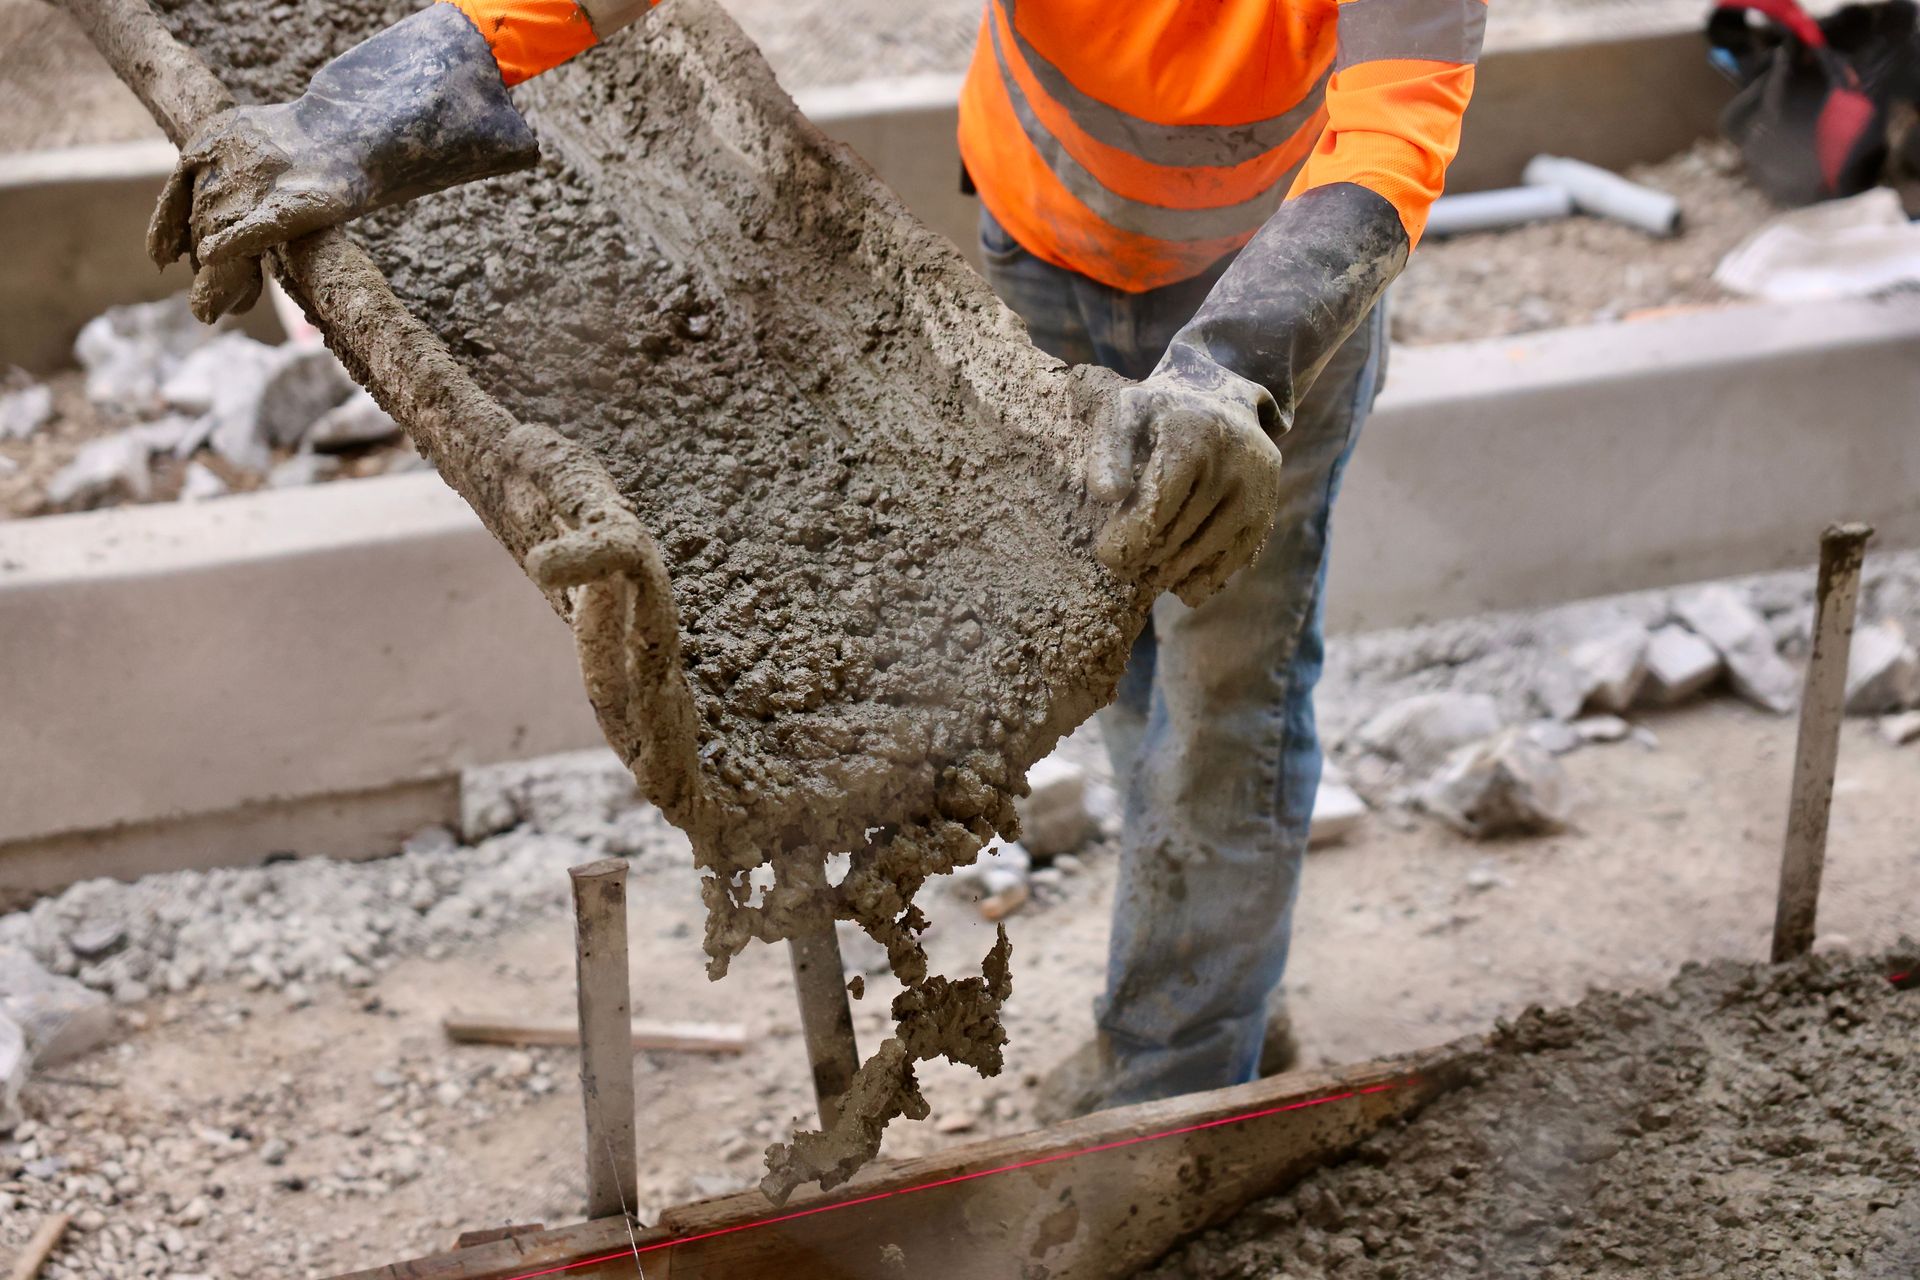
417,108
1189,456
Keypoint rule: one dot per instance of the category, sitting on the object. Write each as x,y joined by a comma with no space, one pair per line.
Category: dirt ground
339,1130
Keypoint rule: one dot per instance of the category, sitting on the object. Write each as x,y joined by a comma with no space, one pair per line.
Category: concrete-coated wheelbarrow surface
807,495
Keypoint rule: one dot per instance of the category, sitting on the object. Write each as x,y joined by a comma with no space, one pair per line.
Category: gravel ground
1747,1122
1583,270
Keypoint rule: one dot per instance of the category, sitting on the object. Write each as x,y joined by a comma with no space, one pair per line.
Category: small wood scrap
671,1037
998,906
46,1238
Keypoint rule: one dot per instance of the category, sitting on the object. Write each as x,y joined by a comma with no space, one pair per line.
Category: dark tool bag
1812,112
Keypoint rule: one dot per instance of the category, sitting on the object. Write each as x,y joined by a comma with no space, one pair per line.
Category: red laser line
967,1177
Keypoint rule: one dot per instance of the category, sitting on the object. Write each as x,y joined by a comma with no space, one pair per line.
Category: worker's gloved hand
415,109
1189,460
1189,456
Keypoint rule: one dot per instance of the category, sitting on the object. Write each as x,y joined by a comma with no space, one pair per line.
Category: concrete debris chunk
1601,728
1507,785
1338,811
213,371
1556,736
358,420
1420,731
115,464
1900,728
201,482
15,1062
1726,620
1610,667
62,1019
130,352
303,384
1680,665
303,469
1883,670
1053,816
25,411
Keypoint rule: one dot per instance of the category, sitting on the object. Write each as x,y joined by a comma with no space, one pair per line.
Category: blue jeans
1212,733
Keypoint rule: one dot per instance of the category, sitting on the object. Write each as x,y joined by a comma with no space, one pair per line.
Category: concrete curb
308,671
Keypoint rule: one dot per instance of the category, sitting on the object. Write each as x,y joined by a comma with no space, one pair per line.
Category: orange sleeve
532,36
1393,122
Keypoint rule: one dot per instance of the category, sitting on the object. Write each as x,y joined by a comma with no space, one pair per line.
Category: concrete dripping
805,492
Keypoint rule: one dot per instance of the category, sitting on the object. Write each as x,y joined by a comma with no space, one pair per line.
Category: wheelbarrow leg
826,1019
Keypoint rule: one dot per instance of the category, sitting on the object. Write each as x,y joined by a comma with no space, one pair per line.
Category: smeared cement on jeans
1746,1122
863,479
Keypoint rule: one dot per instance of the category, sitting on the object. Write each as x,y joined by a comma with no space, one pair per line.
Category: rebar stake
1822,705
826,1019
606,1034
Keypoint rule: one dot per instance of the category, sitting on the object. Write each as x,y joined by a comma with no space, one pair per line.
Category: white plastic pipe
1495,210
1606,194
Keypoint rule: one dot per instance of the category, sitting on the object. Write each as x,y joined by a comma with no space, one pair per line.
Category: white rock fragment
1601,728
1610,666
1420,731
1556,736
263,398
1900,728
1002,865
1507,785
1883,670
358,420
1726,620
303,469
1053,815
25,411
119,463
1338,811
61,1018
130,352
15,1063
227,362
1680,665
201,483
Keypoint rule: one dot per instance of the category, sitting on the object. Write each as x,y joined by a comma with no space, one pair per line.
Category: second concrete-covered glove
1189,455
415,109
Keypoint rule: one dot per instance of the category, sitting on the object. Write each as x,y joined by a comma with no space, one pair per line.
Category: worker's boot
1279,1047
1077,1085
417,108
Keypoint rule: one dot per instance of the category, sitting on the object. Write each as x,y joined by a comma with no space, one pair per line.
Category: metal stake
606,1034
826,1019
1842,548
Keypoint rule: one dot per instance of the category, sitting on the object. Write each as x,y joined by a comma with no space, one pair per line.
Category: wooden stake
40,1247
1822,705
606,1051
826,1019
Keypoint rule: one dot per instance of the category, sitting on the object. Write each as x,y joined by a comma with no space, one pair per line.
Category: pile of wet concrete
1747,1121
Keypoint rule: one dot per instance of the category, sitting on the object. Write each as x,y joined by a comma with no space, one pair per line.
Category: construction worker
1208,196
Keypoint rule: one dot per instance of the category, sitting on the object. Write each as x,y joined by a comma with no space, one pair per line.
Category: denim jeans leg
1222,792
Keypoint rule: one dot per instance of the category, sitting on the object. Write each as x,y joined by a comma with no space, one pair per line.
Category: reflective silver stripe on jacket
1174,146
1135,216
608,16
1423,30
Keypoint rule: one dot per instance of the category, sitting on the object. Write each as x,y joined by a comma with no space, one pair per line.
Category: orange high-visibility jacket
531,36
1139,141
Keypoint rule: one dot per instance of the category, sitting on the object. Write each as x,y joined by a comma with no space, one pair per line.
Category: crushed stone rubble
1748,1121
1467,720
162,398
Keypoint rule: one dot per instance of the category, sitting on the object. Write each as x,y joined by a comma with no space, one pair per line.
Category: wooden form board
1092,1199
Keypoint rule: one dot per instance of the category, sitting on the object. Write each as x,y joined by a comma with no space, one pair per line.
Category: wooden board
1093,1199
